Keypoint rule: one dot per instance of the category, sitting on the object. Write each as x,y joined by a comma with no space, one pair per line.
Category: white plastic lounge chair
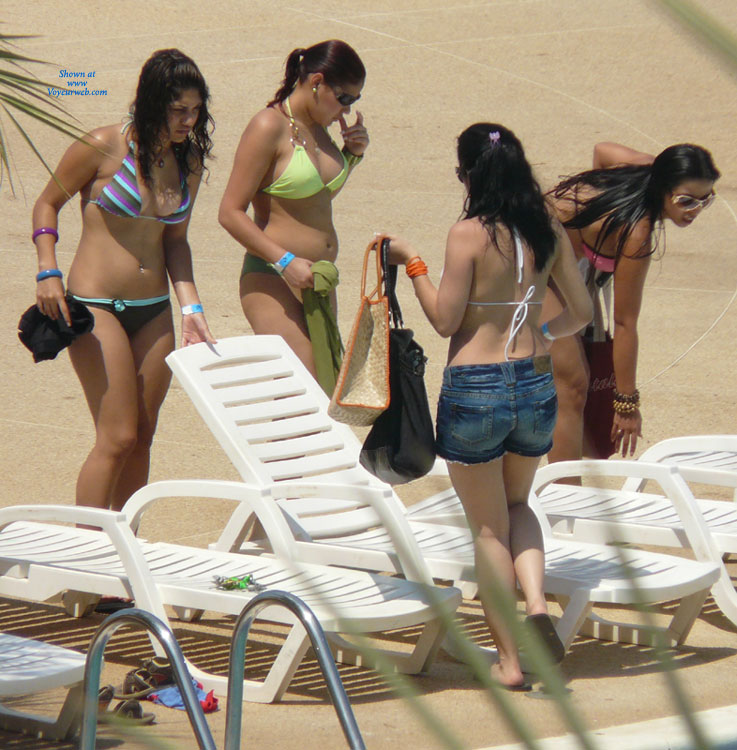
27,667
671,519
603,515
706,459
40,559
270,417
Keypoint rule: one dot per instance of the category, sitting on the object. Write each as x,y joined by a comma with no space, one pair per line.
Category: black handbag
401,444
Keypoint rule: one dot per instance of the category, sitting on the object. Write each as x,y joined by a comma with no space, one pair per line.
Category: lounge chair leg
62,728
575,611
419,660
277,680
79,603
188,614
469,589
688,610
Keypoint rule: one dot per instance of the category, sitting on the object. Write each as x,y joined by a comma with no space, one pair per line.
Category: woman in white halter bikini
497,404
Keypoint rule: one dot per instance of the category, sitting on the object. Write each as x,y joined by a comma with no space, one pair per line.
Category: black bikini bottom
132,314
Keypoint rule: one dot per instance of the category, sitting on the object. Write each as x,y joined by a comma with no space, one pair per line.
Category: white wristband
546,332
192,309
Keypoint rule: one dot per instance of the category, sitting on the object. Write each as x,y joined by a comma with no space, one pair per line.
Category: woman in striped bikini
613,214
137,186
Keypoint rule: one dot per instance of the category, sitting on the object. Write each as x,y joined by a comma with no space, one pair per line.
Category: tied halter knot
523,307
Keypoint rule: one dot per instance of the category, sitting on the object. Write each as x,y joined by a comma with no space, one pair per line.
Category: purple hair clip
494,137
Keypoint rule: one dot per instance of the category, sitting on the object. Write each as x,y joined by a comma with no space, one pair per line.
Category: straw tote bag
400,446
362,390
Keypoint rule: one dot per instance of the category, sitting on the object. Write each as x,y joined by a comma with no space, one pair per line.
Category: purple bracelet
45,230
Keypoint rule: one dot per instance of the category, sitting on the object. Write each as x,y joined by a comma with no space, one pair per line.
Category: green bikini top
301,179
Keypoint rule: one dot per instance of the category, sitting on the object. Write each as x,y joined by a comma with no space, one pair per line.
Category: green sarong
327,348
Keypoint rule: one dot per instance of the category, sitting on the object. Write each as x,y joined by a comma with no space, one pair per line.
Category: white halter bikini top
523,306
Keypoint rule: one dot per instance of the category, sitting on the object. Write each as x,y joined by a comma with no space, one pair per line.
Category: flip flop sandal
129,712
545,628
104,697
109,604
137,684
160,671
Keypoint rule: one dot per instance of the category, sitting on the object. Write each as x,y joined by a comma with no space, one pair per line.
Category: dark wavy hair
628,194
502,188
338,62
164,76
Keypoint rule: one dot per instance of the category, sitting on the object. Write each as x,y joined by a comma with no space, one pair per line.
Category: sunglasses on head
345,99
689,203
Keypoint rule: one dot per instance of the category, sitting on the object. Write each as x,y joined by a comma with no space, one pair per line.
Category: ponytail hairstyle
338,62
502,188
164,76
628,194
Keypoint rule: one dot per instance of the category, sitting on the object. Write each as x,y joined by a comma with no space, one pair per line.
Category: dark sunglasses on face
345,99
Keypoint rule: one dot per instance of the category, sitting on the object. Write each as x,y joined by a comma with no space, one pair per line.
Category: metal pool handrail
304,614
93,668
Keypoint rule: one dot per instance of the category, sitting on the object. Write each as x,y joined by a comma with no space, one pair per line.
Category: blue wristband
192,309
49,273
283,262
546,332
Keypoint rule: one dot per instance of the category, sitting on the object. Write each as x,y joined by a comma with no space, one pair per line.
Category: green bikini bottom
254,264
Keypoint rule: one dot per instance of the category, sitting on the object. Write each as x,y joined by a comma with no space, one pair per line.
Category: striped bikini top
523,305
122,197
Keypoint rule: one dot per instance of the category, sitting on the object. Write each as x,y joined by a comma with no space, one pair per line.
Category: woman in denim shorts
497,404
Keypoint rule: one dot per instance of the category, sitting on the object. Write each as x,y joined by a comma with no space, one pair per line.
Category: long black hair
338,62
164,76
502,188
628,194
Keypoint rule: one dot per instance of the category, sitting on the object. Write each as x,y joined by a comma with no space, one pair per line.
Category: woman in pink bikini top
613,214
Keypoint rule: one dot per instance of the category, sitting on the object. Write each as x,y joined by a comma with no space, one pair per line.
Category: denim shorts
486,410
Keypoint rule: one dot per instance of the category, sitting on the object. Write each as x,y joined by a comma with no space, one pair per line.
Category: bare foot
510,677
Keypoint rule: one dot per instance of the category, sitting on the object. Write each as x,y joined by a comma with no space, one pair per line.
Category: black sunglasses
345,99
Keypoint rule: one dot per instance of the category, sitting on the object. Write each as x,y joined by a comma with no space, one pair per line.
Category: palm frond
5,161
26,94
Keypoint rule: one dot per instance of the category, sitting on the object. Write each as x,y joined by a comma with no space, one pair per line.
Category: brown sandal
128,712
137,684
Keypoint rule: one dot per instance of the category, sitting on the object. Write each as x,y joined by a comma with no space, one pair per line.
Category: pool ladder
234,705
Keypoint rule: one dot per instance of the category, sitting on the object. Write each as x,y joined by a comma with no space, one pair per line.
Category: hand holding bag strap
389,272
377,292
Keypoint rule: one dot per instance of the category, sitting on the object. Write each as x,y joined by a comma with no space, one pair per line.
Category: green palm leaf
22,92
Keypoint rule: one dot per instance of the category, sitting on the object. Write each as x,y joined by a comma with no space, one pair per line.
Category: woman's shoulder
96,145
639,239
107,135
470,238
268,124
468,230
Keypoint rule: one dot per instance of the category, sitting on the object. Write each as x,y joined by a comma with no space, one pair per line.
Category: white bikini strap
519,318
523,307
520,255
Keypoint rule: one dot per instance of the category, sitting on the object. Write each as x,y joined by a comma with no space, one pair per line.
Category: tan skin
303,227
507,538
124,378
571,370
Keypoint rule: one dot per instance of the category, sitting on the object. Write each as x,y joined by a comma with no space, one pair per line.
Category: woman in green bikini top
288,168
